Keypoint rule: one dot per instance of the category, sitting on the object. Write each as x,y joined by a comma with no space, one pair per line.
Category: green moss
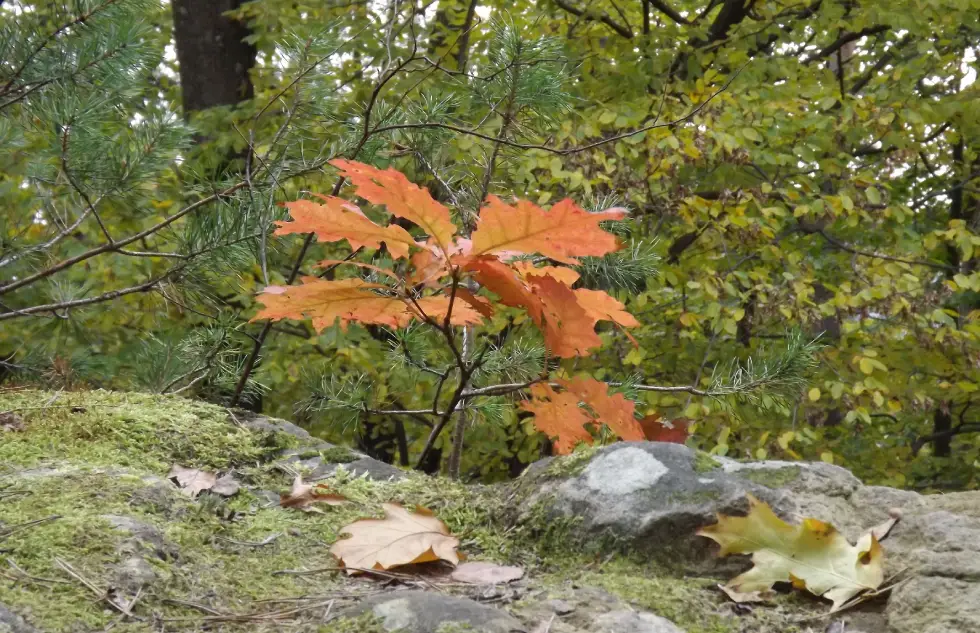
566,466
338,455
771,477
101,428
704,463
692,603
455,627
367,623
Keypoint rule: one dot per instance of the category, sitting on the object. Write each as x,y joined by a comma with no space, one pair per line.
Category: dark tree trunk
213,56
942,423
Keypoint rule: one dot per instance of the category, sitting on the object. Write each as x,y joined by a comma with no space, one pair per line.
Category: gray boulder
651,497
425,612
633,622
10,622
323,460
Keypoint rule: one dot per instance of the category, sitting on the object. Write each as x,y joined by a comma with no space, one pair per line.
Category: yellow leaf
866,366
827,456
813,555
814,394
785,439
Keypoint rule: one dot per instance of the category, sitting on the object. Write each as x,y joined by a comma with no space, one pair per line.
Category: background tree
805,164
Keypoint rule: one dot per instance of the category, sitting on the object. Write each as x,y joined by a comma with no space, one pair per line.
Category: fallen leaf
302,496
482,573
657,429
883,529
191,481
744,598
401,538
813,555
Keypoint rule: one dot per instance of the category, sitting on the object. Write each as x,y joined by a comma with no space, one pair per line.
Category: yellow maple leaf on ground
813,556
401,538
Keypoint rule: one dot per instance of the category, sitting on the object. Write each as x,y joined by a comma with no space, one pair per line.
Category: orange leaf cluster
566,316
348,300
562,416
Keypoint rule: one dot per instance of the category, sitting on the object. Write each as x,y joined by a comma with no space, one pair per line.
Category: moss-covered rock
95,536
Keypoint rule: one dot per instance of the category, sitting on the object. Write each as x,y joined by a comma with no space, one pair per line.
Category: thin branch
850,249
669,11
603,17
570,150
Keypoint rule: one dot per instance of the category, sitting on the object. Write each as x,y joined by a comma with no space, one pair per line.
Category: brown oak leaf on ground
401,538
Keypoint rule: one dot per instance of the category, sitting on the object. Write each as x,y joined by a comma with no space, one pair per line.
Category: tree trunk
214,58
942,423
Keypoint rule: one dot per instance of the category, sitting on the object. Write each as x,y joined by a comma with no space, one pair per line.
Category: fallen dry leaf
401,538
813,556
192,481
482,573
883,529
302,496
746,597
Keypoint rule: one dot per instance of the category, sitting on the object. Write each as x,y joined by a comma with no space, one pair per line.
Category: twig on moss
99,593
26,576
20,527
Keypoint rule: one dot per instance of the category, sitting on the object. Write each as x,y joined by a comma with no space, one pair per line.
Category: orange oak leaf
355,300
430,265
436,308
565,416
502,280
327,301
349,262
602,307
481,305
568,329
338,219
402,198
656,429
565,275
401,538
562,233
558,416
613,410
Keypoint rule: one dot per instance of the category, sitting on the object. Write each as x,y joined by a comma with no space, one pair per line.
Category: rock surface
10,622
651,497
633,622
428,612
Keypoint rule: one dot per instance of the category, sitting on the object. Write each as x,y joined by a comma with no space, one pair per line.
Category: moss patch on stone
565,466
704,463
692,603
771,477
128,429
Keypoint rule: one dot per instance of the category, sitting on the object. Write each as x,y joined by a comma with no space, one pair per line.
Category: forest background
802,179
